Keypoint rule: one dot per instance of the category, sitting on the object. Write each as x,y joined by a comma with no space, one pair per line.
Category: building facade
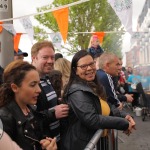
139,54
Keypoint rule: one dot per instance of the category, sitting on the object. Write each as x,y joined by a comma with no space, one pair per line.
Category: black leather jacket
85,118
18,126
1,75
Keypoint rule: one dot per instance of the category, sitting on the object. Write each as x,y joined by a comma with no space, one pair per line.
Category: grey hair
106,57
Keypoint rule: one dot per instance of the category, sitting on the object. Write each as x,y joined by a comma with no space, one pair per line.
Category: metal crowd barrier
109,143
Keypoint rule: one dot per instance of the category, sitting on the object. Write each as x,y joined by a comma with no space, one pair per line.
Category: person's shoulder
101,73
100,49
1,70
6,116
80,86
10,109
91,48
77,86
92,51
4,111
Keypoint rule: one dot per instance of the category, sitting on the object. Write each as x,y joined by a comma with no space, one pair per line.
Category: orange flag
1,28
61,17
100,36
16,41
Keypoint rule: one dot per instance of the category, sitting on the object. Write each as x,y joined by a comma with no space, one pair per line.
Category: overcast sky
26,7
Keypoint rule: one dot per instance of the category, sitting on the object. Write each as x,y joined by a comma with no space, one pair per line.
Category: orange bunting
1,27
16,41
61,17
100,36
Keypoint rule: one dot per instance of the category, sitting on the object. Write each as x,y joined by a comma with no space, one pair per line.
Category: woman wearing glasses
88,112
18,92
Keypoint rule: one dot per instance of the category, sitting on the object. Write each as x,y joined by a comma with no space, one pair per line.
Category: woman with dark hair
55,77
18,92
88,109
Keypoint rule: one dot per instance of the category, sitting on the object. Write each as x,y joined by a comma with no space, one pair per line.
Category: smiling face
86,68
44,60
95,42
29,89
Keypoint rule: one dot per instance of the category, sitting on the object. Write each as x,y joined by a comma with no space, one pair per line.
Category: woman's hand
49,144
131,120
131,125
128,131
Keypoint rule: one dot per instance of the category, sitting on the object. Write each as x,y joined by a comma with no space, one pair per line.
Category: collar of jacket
106,72
16,112
98,47
45,77
80,87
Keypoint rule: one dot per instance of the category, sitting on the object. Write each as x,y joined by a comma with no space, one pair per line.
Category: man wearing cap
20,55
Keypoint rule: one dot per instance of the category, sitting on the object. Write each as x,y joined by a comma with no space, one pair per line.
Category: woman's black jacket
18,126
85,118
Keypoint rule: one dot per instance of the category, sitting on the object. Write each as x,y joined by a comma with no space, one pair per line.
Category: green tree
92,16
39,36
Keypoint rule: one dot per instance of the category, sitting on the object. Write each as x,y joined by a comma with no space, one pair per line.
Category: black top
1,75
26,131
95,52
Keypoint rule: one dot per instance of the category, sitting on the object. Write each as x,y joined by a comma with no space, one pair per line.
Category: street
139,139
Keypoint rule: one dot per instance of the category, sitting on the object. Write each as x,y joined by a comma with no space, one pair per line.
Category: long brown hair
55,77
64,66
14,73
95,85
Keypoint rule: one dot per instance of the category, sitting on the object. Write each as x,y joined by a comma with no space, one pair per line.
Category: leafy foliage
41,34
92,16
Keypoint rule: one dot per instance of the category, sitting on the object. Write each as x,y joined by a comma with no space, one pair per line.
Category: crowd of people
53,103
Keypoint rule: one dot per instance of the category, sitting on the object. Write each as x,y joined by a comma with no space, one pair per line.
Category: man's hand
120,107
61,111
129,97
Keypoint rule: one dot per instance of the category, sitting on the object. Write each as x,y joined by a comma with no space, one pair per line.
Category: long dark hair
55,77
95,85
14,73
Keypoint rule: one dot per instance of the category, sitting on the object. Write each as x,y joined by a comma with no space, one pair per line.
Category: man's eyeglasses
85,66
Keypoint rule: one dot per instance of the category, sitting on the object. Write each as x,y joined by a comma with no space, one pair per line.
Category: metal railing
109,143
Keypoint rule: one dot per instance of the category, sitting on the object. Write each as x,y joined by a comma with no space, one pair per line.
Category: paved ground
139,139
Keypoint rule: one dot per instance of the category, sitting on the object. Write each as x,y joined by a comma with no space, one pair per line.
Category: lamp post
6,39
